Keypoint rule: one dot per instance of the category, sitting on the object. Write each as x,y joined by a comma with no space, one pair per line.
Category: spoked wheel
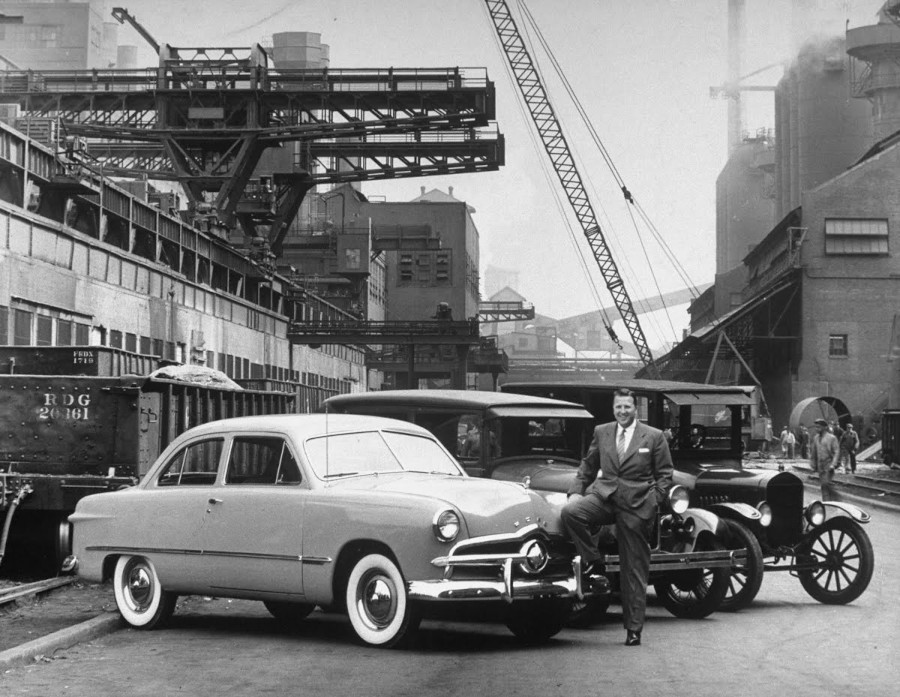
694,593
844,562
139,595
288,613
744,584
377,603
536,621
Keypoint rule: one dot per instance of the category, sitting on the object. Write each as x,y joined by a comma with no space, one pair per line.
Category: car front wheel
536,621
377,602
288,613
844,561
694,593
744,583
140,597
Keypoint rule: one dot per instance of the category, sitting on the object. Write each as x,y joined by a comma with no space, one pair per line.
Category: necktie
620,445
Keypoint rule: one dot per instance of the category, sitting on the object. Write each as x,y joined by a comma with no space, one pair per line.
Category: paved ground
30,618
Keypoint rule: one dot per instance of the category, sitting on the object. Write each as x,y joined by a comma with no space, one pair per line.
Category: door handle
214,500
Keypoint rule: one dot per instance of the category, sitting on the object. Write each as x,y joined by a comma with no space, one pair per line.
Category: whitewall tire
377,602
140,598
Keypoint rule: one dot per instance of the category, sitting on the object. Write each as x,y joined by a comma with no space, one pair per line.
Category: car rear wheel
140,597
536,621
844,559
744,583
694,593
288,613
377,602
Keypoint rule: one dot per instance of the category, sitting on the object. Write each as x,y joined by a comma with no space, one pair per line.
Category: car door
252,537
170,513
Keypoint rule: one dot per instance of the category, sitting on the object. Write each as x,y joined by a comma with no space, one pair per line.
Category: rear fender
855,512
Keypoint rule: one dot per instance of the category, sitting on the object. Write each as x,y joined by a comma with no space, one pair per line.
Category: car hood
551,475
488,507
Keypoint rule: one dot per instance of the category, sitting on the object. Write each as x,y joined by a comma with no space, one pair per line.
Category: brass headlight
446,526
815,513
536,557
765,514
678,499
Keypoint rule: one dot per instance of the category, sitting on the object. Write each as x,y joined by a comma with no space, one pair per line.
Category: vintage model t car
539,442
823,544
368,516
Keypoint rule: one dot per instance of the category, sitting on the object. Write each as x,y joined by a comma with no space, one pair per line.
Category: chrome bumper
509,589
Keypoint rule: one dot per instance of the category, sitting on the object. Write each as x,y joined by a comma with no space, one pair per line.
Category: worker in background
625,475
443,312
849,445
823,458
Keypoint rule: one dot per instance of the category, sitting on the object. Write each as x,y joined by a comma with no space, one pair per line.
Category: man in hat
823,458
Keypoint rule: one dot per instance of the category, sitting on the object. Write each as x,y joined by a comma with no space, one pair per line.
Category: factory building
808,314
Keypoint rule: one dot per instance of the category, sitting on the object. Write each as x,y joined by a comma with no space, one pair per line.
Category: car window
345,454
542,436
194,465
420,454
261,460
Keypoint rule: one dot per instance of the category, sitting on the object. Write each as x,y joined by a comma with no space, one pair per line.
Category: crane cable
574,237
606,156
629,197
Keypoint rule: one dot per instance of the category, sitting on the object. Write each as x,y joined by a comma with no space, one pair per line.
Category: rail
200,75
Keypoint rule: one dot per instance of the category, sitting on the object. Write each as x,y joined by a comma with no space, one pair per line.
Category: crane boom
557,148
121,14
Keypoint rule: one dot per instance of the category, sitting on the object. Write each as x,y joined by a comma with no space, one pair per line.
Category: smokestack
450,189
423,190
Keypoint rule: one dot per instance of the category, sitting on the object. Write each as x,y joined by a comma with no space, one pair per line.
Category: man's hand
575,497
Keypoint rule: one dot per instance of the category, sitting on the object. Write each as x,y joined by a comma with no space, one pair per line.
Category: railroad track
871,487
8,595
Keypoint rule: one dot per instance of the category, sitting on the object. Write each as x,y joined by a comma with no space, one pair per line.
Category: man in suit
625,475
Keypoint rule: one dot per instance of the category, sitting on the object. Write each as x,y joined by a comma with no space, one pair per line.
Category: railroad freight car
82,420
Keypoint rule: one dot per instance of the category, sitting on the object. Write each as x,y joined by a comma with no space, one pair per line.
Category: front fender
704,520
736,511
855,512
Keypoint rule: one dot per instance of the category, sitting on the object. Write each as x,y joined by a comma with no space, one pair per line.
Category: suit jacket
639,482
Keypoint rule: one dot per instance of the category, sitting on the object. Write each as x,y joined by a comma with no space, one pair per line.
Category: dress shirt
629,432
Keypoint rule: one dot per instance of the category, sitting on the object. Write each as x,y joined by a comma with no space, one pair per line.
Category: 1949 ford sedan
361,514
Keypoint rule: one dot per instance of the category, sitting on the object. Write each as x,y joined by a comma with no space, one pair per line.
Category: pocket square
643,450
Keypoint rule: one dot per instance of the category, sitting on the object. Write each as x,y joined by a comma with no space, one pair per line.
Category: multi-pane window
22,320
837,345
44,330
425,268
856,236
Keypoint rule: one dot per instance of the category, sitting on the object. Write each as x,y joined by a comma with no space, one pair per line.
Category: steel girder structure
205,119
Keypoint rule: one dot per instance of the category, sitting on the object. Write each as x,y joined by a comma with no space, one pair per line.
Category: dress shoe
632,638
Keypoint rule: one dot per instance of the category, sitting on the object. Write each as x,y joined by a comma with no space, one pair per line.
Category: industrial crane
548,127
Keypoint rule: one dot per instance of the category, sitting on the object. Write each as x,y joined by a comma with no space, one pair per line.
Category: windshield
372,452
704,426
545,437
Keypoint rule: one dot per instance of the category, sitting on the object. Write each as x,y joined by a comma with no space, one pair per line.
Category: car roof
304,426
634,384
470,399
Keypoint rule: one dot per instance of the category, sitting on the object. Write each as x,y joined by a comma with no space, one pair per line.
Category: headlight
446,526
536,557
678,499
765,512
815,513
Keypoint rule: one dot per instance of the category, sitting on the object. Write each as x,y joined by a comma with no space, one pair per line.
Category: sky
642,70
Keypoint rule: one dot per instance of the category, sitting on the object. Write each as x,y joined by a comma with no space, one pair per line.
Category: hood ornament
526,482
